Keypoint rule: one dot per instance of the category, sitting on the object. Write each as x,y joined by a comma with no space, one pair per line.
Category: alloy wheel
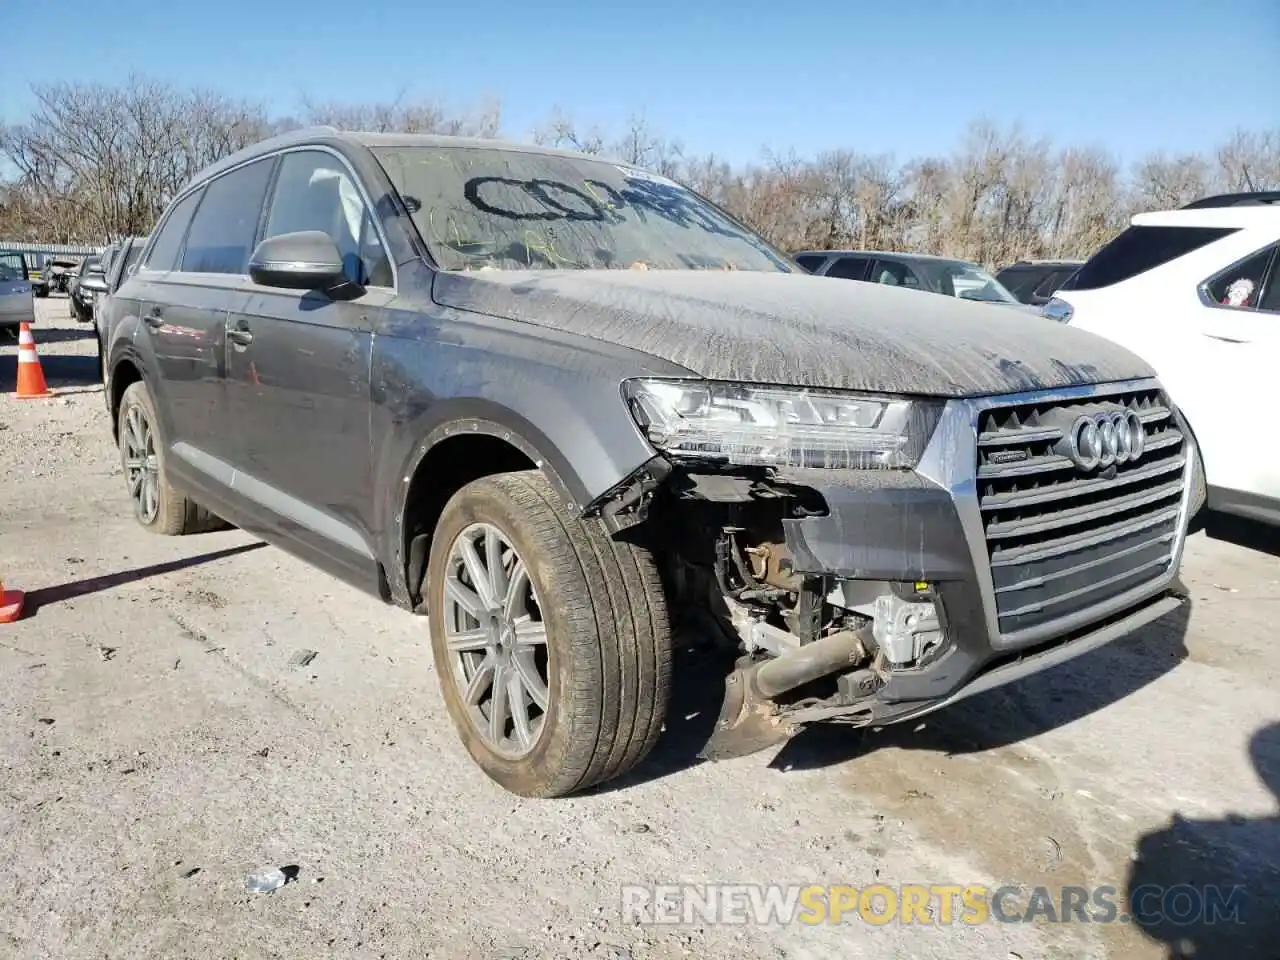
497,640
141,464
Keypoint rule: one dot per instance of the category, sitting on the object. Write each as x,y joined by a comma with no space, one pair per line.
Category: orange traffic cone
31,385
10,604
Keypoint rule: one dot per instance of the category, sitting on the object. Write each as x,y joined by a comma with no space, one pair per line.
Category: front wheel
551,639
156,505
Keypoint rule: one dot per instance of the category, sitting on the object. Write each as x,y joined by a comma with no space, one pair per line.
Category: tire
607,634
174,514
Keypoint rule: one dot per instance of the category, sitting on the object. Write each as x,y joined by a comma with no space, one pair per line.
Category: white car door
1226,385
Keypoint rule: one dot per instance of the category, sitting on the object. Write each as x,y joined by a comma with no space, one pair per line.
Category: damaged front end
873,559
737,510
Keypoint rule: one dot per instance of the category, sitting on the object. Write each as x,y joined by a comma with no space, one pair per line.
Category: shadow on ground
64,374
74,589
1211,888
1019,711
81,331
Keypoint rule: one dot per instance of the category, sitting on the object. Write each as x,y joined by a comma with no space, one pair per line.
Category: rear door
1238,324
849,268
298,369
185,320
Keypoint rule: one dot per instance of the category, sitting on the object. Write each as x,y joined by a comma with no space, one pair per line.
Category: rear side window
168,245
810,261
1139,249
849,268
1241,285
226,224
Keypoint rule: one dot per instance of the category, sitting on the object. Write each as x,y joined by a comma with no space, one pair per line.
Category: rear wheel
551,639
156,505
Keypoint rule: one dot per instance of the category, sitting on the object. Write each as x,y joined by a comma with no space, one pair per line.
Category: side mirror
305,260
94,283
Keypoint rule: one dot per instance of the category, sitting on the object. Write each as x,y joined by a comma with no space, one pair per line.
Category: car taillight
1057,309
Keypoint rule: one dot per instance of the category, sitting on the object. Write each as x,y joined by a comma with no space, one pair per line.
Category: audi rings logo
1106,439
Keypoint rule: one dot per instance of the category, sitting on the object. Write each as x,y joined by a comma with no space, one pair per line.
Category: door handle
154,317
240,334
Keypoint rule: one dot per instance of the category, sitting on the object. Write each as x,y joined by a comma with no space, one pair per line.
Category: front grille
1062,540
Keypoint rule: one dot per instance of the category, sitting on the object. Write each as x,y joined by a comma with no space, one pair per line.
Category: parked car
1196,291
60,272
915,271
84,286
34,266
1035,281
553,402
122,261
16,303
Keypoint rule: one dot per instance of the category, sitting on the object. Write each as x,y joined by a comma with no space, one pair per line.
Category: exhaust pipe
834,653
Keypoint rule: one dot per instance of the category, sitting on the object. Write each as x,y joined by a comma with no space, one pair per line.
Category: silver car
16,301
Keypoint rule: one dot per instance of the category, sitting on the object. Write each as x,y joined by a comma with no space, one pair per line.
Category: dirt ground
159,742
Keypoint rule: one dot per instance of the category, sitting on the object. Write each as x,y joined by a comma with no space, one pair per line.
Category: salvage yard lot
162,737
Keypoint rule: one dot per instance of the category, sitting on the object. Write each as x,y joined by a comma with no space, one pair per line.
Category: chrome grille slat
1087,565
1044,464
1088,588
1061,540
1061,491
1072,515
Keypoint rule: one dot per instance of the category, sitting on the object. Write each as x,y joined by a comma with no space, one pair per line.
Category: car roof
1240,218
333,136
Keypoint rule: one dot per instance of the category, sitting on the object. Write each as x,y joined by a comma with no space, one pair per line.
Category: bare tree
94,161
402,115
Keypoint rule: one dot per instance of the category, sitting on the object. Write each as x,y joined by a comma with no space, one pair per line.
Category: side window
1241,285
226,223
168,246
895,274
849,268
1139,249
315,191
811,261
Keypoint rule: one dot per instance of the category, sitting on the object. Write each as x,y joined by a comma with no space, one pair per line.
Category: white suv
1196,293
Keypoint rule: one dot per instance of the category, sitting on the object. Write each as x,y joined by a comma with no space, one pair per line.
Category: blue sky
729,77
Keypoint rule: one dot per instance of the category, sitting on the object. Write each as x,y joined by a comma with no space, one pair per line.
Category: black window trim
370,210
267,198
1269,273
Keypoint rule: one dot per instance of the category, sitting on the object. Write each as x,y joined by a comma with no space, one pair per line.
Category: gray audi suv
563,407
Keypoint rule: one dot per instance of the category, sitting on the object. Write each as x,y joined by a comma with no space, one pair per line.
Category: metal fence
42,251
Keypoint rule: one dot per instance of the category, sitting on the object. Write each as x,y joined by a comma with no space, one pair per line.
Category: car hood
800,330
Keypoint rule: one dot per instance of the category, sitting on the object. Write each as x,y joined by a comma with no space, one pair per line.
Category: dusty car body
557,403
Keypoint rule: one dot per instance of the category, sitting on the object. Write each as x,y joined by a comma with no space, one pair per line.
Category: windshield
506,209
970,282
11,266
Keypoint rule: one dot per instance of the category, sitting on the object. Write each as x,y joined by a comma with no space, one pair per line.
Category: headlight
781,427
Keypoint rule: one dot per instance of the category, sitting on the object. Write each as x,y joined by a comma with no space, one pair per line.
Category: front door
298,374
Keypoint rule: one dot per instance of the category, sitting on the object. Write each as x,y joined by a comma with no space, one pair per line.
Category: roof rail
1247,199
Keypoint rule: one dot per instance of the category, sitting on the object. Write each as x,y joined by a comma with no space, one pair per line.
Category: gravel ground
159,742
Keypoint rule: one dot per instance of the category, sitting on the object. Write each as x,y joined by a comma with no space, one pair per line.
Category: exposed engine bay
814,646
